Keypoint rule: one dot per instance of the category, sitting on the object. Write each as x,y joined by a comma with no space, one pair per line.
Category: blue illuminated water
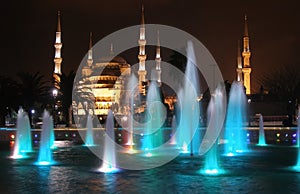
153,136
46,141
109,155
23,141
298,141
132,88
174,129
235,135
262,171
189,136
261,138
89,138
209,146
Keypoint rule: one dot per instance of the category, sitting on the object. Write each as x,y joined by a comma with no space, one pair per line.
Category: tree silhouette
283,85
65,94
8,94
32,88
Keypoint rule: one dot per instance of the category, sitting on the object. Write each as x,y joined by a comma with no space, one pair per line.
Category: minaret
142,55
57,58
246,56
90,52
111,51
158,62
87,69
239,64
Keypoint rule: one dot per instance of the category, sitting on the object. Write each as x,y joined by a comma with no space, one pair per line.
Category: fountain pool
262,171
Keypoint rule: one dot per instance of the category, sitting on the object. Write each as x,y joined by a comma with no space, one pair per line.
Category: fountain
23,141
261,139
155,119
209,145
46,142
89,138
131,85
189,106
109,158
235,135
297,167
174,128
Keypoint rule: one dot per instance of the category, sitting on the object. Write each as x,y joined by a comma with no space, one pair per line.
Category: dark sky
29,28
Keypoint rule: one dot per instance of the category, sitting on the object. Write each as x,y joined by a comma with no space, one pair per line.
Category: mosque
108,89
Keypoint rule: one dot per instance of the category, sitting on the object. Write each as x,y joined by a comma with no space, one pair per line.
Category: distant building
105,78
244,68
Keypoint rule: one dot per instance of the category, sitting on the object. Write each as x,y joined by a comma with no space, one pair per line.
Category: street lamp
32,117
54,94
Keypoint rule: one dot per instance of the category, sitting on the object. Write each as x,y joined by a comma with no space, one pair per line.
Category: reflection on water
262,171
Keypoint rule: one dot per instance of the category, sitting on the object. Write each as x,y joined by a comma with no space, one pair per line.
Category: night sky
29,28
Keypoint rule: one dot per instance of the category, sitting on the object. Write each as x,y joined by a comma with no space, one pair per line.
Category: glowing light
185,148
54,92
211,171
230,154
12,136
43,163
130,143
131,151
262,144
295,168
148,154
17,156
106,168
294,135
248,134
278,134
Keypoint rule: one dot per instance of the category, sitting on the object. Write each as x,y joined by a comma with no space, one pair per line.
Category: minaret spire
246,58
142,54
239,63
90,52
91,41
143,16
58,22
246,34
111,51
158,61
57,57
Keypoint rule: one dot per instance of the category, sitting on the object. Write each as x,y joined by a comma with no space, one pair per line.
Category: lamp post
32,117
54,94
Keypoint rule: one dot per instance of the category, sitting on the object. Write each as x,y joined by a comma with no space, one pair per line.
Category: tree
65,94
32,91
8,88
283,85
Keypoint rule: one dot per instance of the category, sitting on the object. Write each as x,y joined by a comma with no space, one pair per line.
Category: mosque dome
116,59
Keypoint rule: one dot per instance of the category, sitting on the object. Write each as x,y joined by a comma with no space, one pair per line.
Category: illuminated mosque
108,89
